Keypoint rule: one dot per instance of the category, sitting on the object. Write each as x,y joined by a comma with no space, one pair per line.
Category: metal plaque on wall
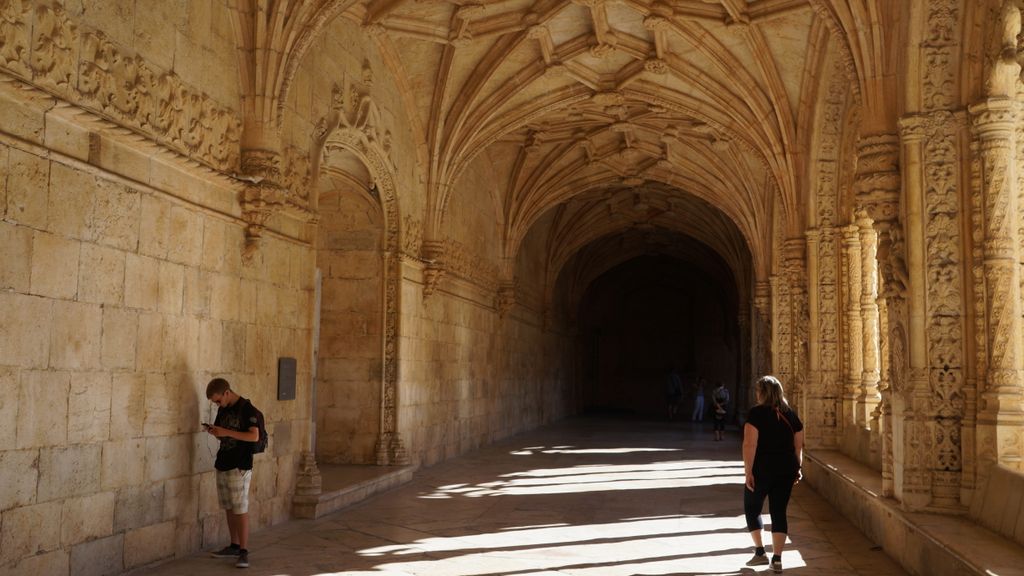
286,378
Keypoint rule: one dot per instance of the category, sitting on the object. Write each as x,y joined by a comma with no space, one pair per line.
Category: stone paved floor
586,497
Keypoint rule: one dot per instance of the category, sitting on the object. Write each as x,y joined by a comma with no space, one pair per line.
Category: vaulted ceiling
584,105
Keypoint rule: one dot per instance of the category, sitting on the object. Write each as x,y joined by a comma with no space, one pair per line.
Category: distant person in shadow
773,448
673,391
720,404
698,402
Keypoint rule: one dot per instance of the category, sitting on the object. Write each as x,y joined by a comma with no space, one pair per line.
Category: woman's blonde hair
769,393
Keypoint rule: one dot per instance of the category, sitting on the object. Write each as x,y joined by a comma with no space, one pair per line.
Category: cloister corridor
452,250
583,497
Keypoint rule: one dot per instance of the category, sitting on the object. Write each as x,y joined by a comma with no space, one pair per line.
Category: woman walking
773,445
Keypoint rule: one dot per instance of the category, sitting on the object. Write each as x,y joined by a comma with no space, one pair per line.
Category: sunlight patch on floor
656,546
601,478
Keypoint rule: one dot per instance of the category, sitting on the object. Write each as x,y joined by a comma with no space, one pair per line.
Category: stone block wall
470,377
122,292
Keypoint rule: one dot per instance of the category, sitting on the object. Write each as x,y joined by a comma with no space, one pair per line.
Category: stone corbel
260,201
505,299
432,254
262,196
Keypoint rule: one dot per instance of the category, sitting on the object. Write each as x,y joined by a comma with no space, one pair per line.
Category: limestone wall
469,377
122,292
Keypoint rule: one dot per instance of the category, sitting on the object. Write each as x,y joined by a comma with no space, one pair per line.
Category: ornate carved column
794,268
814,395
877,201
935,395
868,398
390,449
1000,416
762,352
854,341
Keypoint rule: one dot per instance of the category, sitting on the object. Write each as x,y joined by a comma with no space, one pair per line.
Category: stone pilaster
1000,416
854,341
795,269
390,449
915,488
762,352
814,394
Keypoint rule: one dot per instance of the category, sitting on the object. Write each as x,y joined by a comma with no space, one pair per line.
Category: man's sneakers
758,560
241,556
227,552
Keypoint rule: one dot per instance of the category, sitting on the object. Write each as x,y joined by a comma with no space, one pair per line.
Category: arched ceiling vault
609,252
591,234
707,97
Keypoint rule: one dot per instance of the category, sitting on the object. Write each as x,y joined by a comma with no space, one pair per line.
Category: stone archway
351,135
350,242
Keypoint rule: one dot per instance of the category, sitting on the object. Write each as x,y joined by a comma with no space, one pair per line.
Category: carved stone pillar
1000,417
390,449
762,352
868,398
935,396
877,189
814,395
794,268
852,389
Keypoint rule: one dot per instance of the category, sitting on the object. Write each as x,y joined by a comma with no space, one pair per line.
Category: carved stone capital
995,118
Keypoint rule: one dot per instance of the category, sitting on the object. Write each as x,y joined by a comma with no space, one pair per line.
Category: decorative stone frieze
87,68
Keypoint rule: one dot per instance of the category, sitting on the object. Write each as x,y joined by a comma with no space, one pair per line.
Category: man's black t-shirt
235,453
776,454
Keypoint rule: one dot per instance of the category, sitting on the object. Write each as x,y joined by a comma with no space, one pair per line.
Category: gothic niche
350,247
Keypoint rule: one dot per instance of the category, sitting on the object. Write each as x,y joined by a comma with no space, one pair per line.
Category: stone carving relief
466,263
14,37
940,69
115,83
412,237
